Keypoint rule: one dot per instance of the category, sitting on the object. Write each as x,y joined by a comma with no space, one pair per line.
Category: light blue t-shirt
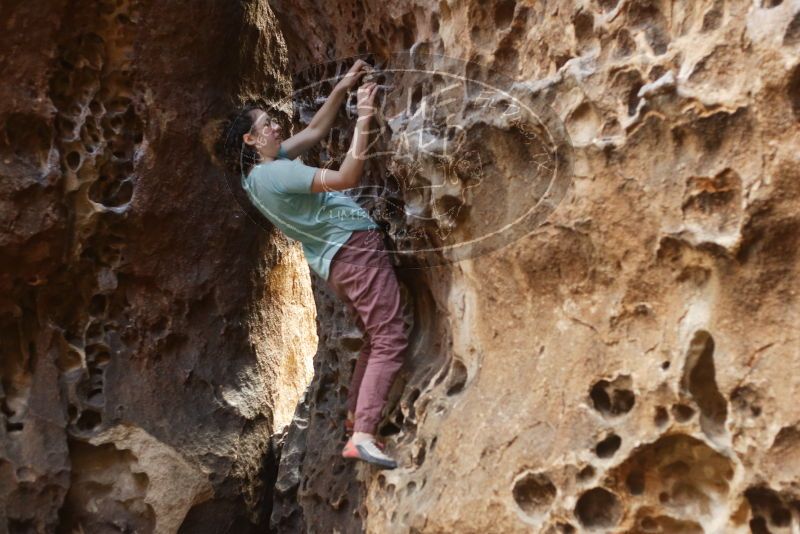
322,222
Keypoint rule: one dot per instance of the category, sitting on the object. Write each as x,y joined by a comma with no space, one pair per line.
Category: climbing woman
341,242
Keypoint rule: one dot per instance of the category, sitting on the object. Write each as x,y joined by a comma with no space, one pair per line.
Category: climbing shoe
369,452
348,431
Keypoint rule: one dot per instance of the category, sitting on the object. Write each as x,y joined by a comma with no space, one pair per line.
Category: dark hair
237,156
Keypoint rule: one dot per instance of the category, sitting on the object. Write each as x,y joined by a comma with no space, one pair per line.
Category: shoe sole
358,452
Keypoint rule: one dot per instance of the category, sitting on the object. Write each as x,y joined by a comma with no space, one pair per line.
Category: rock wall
153,337
627,363
619,357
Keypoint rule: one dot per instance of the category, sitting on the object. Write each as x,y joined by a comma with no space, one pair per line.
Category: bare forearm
353,165
323,119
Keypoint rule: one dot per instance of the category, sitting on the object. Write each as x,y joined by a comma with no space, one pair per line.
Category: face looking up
265,134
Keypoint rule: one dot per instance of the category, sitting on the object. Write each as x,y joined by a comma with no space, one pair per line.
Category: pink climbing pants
363,277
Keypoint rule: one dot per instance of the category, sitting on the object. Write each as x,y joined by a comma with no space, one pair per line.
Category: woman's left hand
351,78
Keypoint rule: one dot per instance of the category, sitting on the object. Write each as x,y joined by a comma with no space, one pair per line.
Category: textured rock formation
626,365
620,357
153,339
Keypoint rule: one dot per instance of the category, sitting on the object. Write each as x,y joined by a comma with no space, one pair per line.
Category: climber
341,242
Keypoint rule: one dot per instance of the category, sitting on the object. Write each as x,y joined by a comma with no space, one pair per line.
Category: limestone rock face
153,339
629,361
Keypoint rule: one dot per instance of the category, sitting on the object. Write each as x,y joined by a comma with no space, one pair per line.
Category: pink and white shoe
349,428
368,451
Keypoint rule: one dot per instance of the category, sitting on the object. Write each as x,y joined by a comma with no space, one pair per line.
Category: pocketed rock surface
622,358
630,363
153,339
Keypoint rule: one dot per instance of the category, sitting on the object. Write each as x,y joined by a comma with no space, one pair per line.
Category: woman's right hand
366,99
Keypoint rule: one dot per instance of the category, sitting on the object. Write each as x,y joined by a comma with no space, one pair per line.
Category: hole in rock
635,482
682,412
408,37
97,306
457,379
646,15
419,459
768,506
111,193
613,398
713,18
389,429
792,35
633,98
584,25
656,72
607,447
598,507
94,349
504,13
661,417
678,470
94,330
74,160
699,379
415,99
13,427
587,473
534,493
89,420
793,90
744,399
770,3
561,59
449,207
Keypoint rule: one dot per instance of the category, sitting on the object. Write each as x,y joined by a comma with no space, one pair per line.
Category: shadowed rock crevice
700,381
140,377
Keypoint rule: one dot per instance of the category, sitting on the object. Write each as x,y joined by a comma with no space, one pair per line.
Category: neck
265,157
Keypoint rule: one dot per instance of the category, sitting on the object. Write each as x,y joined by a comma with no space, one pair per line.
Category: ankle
358,437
